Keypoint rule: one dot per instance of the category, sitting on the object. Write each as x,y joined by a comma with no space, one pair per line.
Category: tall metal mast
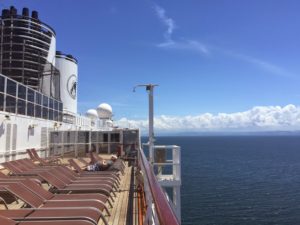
150,89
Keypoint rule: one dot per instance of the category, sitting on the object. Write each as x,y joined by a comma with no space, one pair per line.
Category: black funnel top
5,13
25,12
35,15
13,11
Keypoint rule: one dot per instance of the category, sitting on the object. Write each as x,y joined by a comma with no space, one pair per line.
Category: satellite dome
109,123
104,111
92,114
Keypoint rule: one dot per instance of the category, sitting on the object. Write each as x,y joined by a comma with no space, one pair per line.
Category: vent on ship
44,136
8,137
28,50
14,137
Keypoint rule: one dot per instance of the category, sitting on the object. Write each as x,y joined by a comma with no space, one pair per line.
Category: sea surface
231,180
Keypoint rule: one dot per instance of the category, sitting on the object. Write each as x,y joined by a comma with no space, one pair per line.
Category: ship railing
167,168
159,207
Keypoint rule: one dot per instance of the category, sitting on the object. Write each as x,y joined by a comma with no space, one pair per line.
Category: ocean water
239,179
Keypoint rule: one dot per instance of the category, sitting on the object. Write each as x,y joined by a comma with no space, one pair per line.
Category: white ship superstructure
38,87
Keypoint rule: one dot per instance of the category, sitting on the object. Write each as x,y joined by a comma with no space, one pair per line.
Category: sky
221,65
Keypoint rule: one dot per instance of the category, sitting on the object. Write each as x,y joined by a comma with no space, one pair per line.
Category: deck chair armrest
83,200
46,219
70,218
4,202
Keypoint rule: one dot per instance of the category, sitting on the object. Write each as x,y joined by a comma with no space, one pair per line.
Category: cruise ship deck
123,204
122,210
41,131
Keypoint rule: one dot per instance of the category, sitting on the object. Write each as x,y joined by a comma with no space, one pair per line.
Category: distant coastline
229,133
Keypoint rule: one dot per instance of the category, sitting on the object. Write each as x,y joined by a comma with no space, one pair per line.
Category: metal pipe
151,123
150,89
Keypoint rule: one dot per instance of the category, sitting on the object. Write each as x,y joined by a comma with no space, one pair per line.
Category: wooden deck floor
120,206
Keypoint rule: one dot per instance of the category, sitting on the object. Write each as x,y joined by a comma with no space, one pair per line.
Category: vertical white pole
108,142
150,88
151,123
90,140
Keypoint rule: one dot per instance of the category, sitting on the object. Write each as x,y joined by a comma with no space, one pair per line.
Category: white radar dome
92,114
104,111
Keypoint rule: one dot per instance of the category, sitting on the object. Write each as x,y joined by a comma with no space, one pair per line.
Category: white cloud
259,118
267,66
185,44
189,45
169,22
169,42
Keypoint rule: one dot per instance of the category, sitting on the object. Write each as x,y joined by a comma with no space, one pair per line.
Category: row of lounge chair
44,221
77,198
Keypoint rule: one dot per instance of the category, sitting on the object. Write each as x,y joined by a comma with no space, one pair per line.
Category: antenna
148,86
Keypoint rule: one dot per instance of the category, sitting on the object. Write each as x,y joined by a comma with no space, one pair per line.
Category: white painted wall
68,75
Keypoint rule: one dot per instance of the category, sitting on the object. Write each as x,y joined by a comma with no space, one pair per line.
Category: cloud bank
259,118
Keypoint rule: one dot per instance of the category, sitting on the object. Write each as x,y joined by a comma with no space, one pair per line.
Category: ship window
115,137
60,106
50,114
51,103
11,87
2,80
105,137
30,95
22,91
60,116
38,98
55,105
21,107
45,113
56,116
82,137
30,109
1,102
38,112
10,104
45,101
100,137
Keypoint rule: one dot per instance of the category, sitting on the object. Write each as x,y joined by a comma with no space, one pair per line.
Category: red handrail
164,211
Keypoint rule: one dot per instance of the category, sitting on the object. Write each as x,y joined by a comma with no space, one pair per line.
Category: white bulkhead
68,68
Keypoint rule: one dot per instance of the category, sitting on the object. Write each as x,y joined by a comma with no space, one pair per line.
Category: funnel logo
72,86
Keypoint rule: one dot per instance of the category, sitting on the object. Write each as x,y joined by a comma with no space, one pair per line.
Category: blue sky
209,56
